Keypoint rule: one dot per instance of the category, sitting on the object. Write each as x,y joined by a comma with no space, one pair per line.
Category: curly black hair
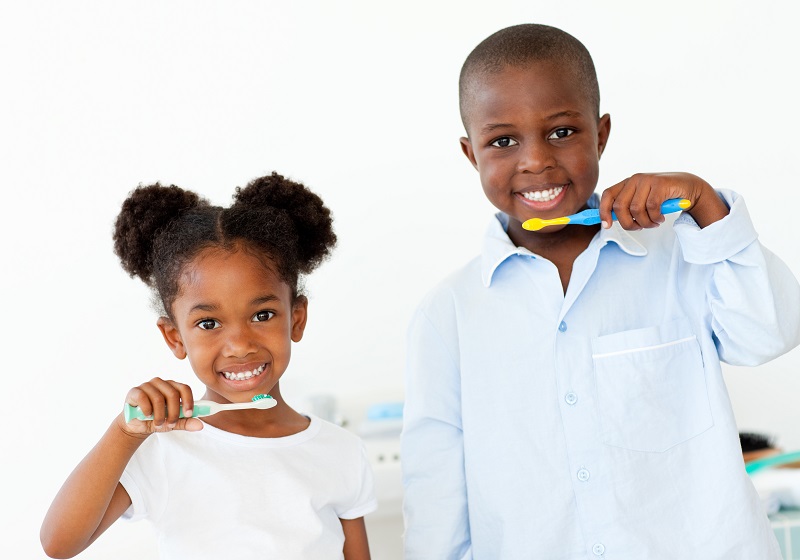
160,229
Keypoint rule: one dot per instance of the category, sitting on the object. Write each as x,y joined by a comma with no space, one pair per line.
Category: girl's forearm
81,510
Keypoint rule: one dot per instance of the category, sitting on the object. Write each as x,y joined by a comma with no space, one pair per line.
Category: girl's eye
561,133
208,324
263,315
504,142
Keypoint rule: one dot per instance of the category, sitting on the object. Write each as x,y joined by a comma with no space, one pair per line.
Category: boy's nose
535,157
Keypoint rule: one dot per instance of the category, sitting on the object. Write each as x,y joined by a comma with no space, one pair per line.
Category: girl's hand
637,200
162,400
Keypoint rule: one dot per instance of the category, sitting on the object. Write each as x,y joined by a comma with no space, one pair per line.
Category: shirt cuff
721,240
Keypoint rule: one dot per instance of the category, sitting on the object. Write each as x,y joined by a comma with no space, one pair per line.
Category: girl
241,483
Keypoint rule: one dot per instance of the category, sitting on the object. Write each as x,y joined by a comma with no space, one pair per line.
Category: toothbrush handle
668,206
135,413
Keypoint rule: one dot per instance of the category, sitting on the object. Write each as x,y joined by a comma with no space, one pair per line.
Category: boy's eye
561,133
263,315
504,142
208,324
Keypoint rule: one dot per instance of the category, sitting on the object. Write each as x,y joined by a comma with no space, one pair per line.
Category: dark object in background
755,446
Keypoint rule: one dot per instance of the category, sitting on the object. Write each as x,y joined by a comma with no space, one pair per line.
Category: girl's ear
299,317
172,337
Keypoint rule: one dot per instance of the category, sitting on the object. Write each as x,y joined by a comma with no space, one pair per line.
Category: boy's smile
235,320
536,141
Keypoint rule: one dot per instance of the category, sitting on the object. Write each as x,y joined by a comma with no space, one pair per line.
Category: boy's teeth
543,196
243,374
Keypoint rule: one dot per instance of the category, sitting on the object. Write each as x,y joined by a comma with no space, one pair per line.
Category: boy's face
536,141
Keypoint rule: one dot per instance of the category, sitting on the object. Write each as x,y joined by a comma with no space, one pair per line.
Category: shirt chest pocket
651,387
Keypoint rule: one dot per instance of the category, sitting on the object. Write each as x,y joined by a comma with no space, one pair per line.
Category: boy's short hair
521,45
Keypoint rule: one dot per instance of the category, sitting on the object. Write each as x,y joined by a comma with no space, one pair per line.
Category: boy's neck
561,247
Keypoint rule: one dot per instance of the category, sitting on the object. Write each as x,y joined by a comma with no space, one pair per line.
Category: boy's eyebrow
494,126
491,127
562,114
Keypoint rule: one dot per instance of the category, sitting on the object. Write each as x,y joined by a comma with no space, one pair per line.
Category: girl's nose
239,342
536,156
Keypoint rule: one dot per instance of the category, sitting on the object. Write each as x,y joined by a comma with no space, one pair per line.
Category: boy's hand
636,201
162,400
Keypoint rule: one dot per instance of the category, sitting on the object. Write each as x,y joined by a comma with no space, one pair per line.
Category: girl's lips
241,374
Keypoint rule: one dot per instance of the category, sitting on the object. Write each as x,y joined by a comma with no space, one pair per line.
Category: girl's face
235,320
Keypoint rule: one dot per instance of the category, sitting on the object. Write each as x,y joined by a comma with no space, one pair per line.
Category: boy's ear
466,147
172,337
299,317
603,130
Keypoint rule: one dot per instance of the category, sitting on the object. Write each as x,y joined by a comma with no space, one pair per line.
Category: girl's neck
279,421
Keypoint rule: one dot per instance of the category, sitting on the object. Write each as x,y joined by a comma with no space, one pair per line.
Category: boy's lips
240,373
543,197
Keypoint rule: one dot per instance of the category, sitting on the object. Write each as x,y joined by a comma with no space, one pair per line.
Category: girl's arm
356,546
92,498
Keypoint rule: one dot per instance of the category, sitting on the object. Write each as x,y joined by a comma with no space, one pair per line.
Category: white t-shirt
214,494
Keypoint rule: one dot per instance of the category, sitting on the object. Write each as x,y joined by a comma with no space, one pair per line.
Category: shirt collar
498,247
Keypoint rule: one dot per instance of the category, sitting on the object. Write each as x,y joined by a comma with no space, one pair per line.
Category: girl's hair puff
162,229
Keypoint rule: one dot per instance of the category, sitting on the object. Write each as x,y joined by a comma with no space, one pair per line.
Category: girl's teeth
243,374
543,196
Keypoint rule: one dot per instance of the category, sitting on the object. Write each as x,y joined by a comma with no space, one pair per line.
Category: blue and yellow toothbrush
592,216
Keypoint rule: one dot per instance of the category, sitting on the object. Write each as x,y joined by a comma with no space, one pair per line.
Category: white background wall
358,100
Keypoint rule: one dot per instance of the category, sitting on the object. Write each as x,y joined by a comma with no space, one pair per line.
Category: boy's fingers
606,204
639,206
622,206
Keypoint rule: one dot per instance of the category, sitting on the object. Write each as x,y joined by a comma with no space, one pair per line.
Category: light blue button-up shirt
593,424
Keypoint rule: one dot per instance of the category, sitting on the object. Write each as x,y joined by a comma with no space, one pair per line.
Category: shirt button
583,475
562,326
571,398
598,549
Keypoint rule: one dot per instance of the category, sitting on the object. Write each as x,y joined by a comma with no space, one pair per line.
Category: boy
564,395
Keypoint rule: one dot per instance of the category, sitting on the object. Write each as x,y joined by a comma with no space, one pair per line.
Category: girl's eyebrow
264,299
210,307
203,307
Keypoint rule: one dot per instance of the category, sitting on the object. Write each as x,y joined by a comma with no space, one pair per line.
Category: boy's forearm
81,505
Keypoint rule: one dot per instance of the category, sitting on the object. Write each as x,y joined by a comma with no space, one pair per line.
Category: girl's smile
235,320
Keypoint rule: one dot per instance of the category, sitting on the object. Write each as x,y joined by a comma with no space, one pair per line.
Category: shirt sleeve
144,479
365,501
432,449
754,298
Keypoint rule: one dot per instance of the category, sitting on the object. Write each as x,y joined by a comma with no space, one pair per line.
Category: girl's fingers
162,400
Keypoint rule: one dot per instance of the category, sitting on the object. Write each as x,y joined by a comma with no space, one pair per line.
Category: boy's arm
753,297
91,499
432,450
